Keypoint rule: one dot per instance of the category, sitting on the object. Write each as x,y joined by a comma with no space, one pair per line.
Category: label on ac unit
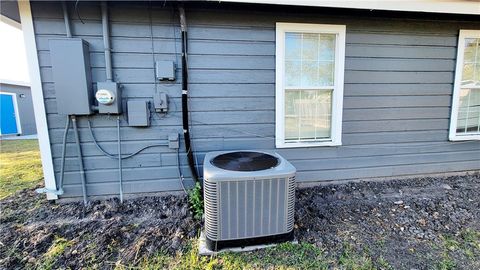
105,97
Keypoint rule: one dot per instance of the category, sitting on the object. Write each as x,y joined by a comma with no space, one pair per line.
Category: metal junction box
138,113
165,70
71,76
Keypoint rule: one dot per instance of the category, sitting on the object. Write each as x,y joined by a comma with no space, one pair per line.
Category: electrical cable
180,175
95,142
78,13
342,146
185,114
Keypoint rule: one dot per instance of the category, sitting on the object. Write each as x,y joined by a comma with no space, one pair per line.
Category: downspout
186,131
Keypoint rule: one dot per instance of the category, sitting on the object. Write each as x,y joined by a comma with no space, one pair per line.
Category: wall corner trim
37,97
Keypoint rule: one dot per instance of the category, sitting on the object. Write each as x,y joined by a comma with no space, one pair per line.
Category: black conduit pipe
80,160
186,130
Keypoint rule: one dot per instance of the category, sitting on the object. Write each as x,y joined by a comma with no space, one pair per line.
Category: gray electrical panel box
138,113
70,60
165,70
109,97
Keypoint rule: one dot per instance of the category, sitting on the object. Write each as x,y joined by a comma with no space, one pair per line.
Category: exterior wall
398,86
25,106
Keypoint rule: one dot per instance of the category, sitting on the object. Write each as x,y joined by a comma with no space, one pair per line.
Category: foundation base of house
203,248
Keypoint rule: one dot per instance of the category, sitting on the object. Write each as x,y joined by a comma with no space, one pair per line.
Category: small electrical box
109,97
165,70
173,142
138,113
160,102
72,78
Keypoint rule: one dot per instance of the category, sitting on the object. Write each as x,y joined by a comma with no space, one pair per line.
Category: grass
283,256
56,249
20,166
466,244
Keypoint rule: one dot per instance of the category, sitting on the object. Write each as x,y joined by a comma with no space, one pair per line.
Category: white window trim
337,96
457,87
16,111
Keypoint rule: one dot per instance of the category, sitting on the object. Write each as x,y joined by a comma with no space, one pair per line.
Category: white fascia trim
37,97
452,134
10,22
430,6
337,97
12,82
16,111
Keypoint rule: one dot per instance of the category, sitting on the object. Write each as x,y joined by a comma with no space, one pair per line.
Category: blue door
8,121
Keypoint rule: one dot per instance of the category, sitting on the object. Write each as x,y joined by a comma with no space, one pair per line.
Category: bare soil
408,223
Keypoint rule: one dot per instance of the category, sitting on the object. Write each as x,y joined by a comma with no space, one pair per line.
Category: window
465,118
309,84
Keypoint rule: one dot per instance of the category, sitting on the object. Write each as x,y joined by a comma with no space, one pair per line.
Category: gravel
404,222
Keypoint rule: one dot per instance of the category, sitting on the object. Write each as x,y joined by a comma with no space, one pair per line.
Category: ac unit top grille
245,161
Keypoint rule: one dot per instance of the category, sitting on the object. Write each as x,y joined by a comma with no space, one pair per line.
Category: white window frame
453,136
337,93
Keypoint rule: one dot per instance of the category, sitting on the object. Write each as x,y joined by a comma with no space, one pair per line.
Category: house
16,109
347,90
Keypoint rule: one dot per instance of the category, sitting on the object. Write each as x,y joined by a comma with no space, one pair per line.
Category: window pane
307,114
471,62
310,47
310,74
293,45
468,120
327,47
326,73
470,48
293,71
309,59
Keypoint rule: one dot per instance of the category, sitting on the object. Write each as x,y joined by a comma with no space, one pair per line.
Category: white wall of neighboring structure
13,66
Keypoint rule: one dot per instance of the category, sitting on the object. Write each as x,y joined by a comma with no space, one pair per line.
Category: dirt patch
406,222
411,224
100,235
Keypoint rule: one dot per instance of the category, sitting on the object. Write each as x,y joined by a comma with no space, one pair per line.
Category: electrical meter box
109,98
72,78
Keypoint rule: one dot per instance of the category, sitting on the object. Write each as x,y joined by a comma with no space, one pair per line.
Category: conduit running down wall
186,129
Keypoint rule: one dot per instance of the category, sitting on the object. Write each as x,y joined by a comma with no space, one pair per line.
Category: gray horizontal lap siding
398,85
